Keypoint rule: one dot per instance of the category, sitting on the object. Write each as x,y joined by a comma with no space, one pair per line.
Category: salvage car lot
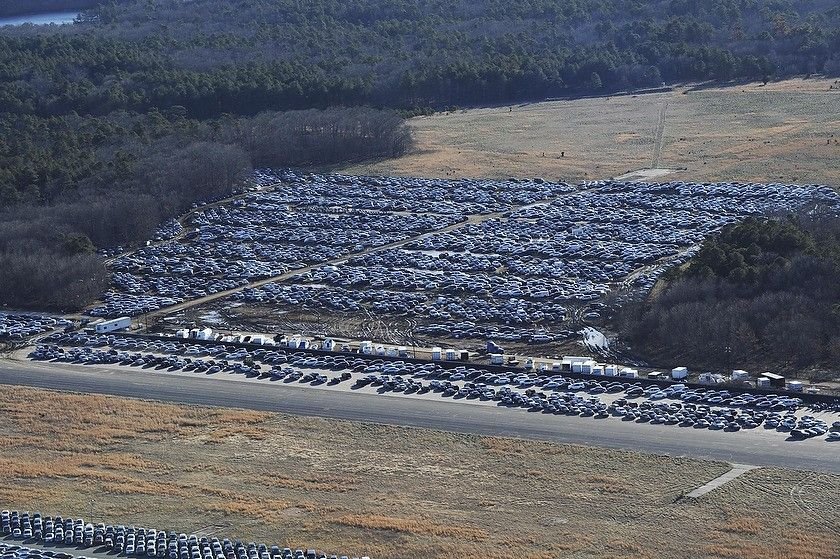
128,541
518,260
609,398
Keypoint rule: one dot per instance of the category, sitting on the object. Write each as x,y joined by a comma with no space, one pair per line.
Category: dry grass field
786,131
392,492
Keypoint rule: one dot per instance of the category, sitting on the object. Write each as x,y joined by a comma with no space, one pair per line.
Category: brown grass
413,526
782,131
389,492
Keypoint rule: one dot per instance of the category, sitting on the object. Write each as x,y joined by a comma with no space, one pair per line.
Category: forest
761,294
142,107
105,181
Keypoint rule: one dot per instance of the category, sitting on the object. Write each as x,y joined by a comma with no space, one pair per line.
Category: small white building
437,354
451,355
627,372
795,386
710,378
497,359
739,375
204,334
678,373
570,360
584,366
366,347
611,370
380,350
328,344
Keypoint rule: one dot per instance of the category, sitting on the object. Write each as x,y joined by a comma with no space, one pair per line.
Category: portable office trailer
795,386
611,370
627,372
655,375
203,334
451,355
598,369
739,375
328,344
366,347
710,378
678,373
584,366
762,382
776,381
570,360
497,359
113,325
437,354
182,333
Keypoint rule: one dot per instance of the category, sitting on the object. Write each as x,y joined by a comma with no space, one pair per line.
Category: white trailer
122,323
739,375
678,373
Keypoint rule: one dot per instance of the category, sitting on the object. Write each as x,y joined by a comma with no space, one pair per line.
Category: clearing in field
787,132
360,488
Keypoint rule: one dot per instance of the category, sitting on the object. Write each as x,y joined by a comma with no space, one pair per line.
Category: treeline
213,57
761,294
19,7
142,170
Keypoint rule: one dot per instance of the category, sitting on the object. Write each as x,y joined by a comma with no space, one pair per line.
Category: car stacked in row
514,276
131,541
19,326
304,219
555,394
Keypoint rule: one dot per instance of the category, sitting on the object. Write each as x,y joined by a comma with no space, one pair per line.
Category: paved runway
745,447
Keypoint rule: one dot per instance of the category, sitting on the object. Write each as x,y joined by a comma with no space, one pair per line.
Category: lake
40,19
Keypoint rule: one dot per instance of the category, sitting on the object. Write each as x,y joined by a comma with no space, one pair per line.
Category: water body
58,18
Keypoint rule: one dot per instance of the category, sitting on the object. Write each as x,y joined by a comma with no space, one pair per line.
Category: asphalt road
744,447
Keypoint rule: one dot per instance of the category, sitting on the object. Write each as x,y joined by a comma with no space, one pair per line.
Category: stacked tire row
130,541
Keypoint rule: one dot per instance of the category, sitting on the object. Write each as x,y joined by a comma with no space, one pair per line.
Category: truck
122,323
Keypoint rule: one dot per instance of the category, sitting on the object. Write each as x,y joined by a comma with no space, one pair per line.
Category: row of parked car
19,326
131,541
410,194
557,394
10,550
